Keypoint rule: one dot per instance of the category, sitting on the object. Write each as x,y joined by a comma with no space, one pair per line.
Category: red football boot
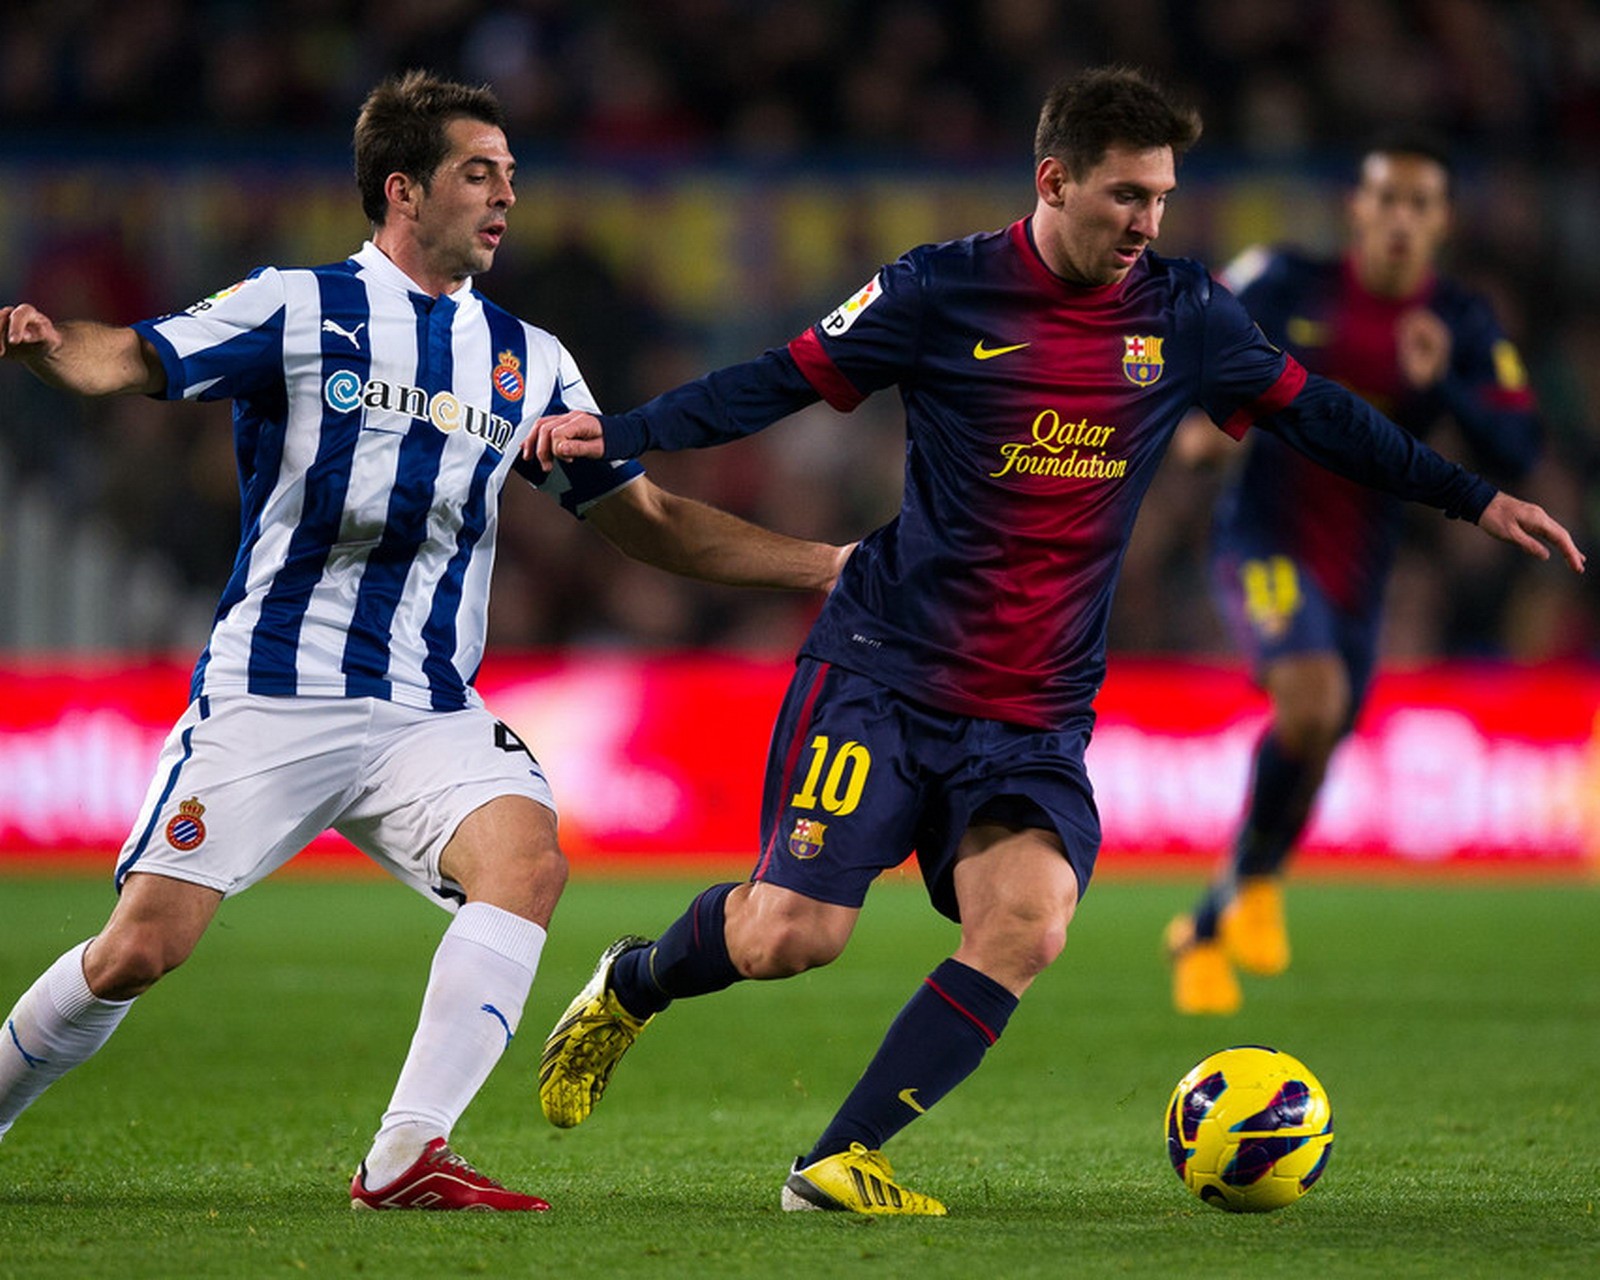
440,1179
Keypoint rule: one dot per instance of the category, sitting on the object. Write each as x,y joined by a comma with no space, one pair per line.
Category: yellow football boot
854,1181
586,1044
1203,980
1252,927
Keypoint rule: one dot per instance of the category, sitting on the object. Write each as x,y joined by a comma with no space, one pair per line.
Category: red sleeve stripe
1518,400
823,374
1275,397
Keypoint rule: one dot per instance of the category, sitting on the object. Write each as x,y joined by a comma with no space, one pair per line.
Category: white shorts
245,782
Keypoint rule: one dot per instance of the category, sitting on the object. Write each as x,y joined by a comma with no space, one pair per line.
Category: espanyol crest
186,831
508,376
805,841
1141,359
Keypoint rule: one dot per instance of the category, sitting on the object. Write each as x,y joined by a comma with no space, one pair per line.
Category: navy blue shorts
1275,609
859,777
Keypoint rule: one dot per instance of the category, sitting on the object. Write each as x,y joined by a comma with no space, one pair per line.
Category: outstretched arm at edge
690,538
81,356
1348,436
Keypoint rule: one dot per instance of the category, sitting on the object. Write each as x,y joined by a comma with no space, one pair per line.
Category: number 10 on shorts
842,775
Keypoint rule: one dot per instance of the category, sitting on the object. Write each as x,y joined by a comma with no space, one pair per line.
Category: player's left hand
1531,527
27,334
564,435
1422,346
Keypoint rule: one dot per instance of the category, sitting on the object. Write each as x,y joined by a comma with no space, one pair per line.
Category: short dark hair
1422,146
1086,115
401,130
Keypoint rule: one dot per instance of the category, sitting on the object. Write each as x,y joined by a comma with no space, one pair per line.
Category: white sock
57,1024
480,979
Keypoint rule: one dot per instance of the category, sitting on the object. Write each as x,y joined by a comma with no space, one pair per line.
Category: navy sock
690,958
935,1042
1209,911
1282,789
1280,805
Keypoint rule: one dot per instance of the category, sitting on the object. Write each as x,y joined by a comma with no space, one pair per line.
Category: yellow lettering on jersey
1044,452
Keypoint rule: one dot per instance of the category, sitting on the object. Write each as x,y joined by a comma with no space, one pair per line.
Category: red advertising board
662,757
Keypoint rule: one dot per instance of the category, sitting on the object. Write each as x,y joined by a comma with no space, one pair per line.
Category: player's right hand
26,332
564,436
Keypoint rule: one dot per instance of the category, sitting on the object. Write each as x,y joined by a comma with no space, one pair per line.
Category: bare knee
776,933
126,962
1038,944
784,951
538,873
506,854
1310,705
527,882
1309,734
155,927
1018,893
1015,946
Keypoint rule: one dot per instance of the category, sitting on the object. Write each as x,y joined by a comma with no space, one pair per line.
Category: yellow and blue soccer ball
1249,1129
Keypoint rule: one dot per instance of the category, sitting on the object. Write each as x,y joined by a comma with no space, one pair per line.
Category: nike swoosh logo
908,1096
981,352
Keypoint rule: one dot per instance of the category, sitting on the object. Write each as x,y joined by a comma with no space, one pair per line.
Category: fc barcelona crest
508,376
1141,359
186,831
805,841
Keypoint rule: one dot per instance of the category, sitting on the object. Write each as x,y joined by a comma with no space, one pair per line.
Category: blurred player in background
944,699
379,404
1301,556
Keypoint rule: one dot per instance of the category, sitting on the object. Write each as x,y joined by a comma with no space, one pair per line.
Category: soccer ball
1249,1129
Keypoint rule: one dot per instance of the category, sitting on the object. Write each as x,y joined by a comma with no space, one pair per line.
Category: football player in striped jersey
379,407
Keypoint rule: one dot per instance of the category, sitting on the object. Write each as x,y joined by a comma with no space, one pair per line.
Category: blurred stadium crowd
701,178
940,78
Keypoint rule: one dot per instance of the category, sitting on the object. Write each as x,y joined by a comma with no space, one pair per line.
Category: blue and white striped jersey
374,427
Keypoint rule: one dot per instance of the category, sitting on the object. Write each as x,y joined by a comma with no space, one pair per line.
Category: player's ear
402,192
1049,181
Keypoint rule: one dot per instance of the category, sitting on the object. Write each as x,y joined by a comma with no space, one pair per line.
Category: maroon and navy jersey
1036,414
1342,533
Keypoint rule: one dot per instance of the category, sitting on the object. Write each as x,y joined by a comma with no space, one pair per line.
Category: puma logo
333,326
498,1017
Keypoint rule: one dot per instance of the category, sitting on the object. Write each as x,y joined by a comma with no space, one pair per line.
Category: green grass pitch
1456,1026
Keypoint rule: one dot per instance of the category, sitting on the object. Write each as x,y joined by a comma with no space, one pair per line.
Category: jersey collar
1021,234
376,263
1416,298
